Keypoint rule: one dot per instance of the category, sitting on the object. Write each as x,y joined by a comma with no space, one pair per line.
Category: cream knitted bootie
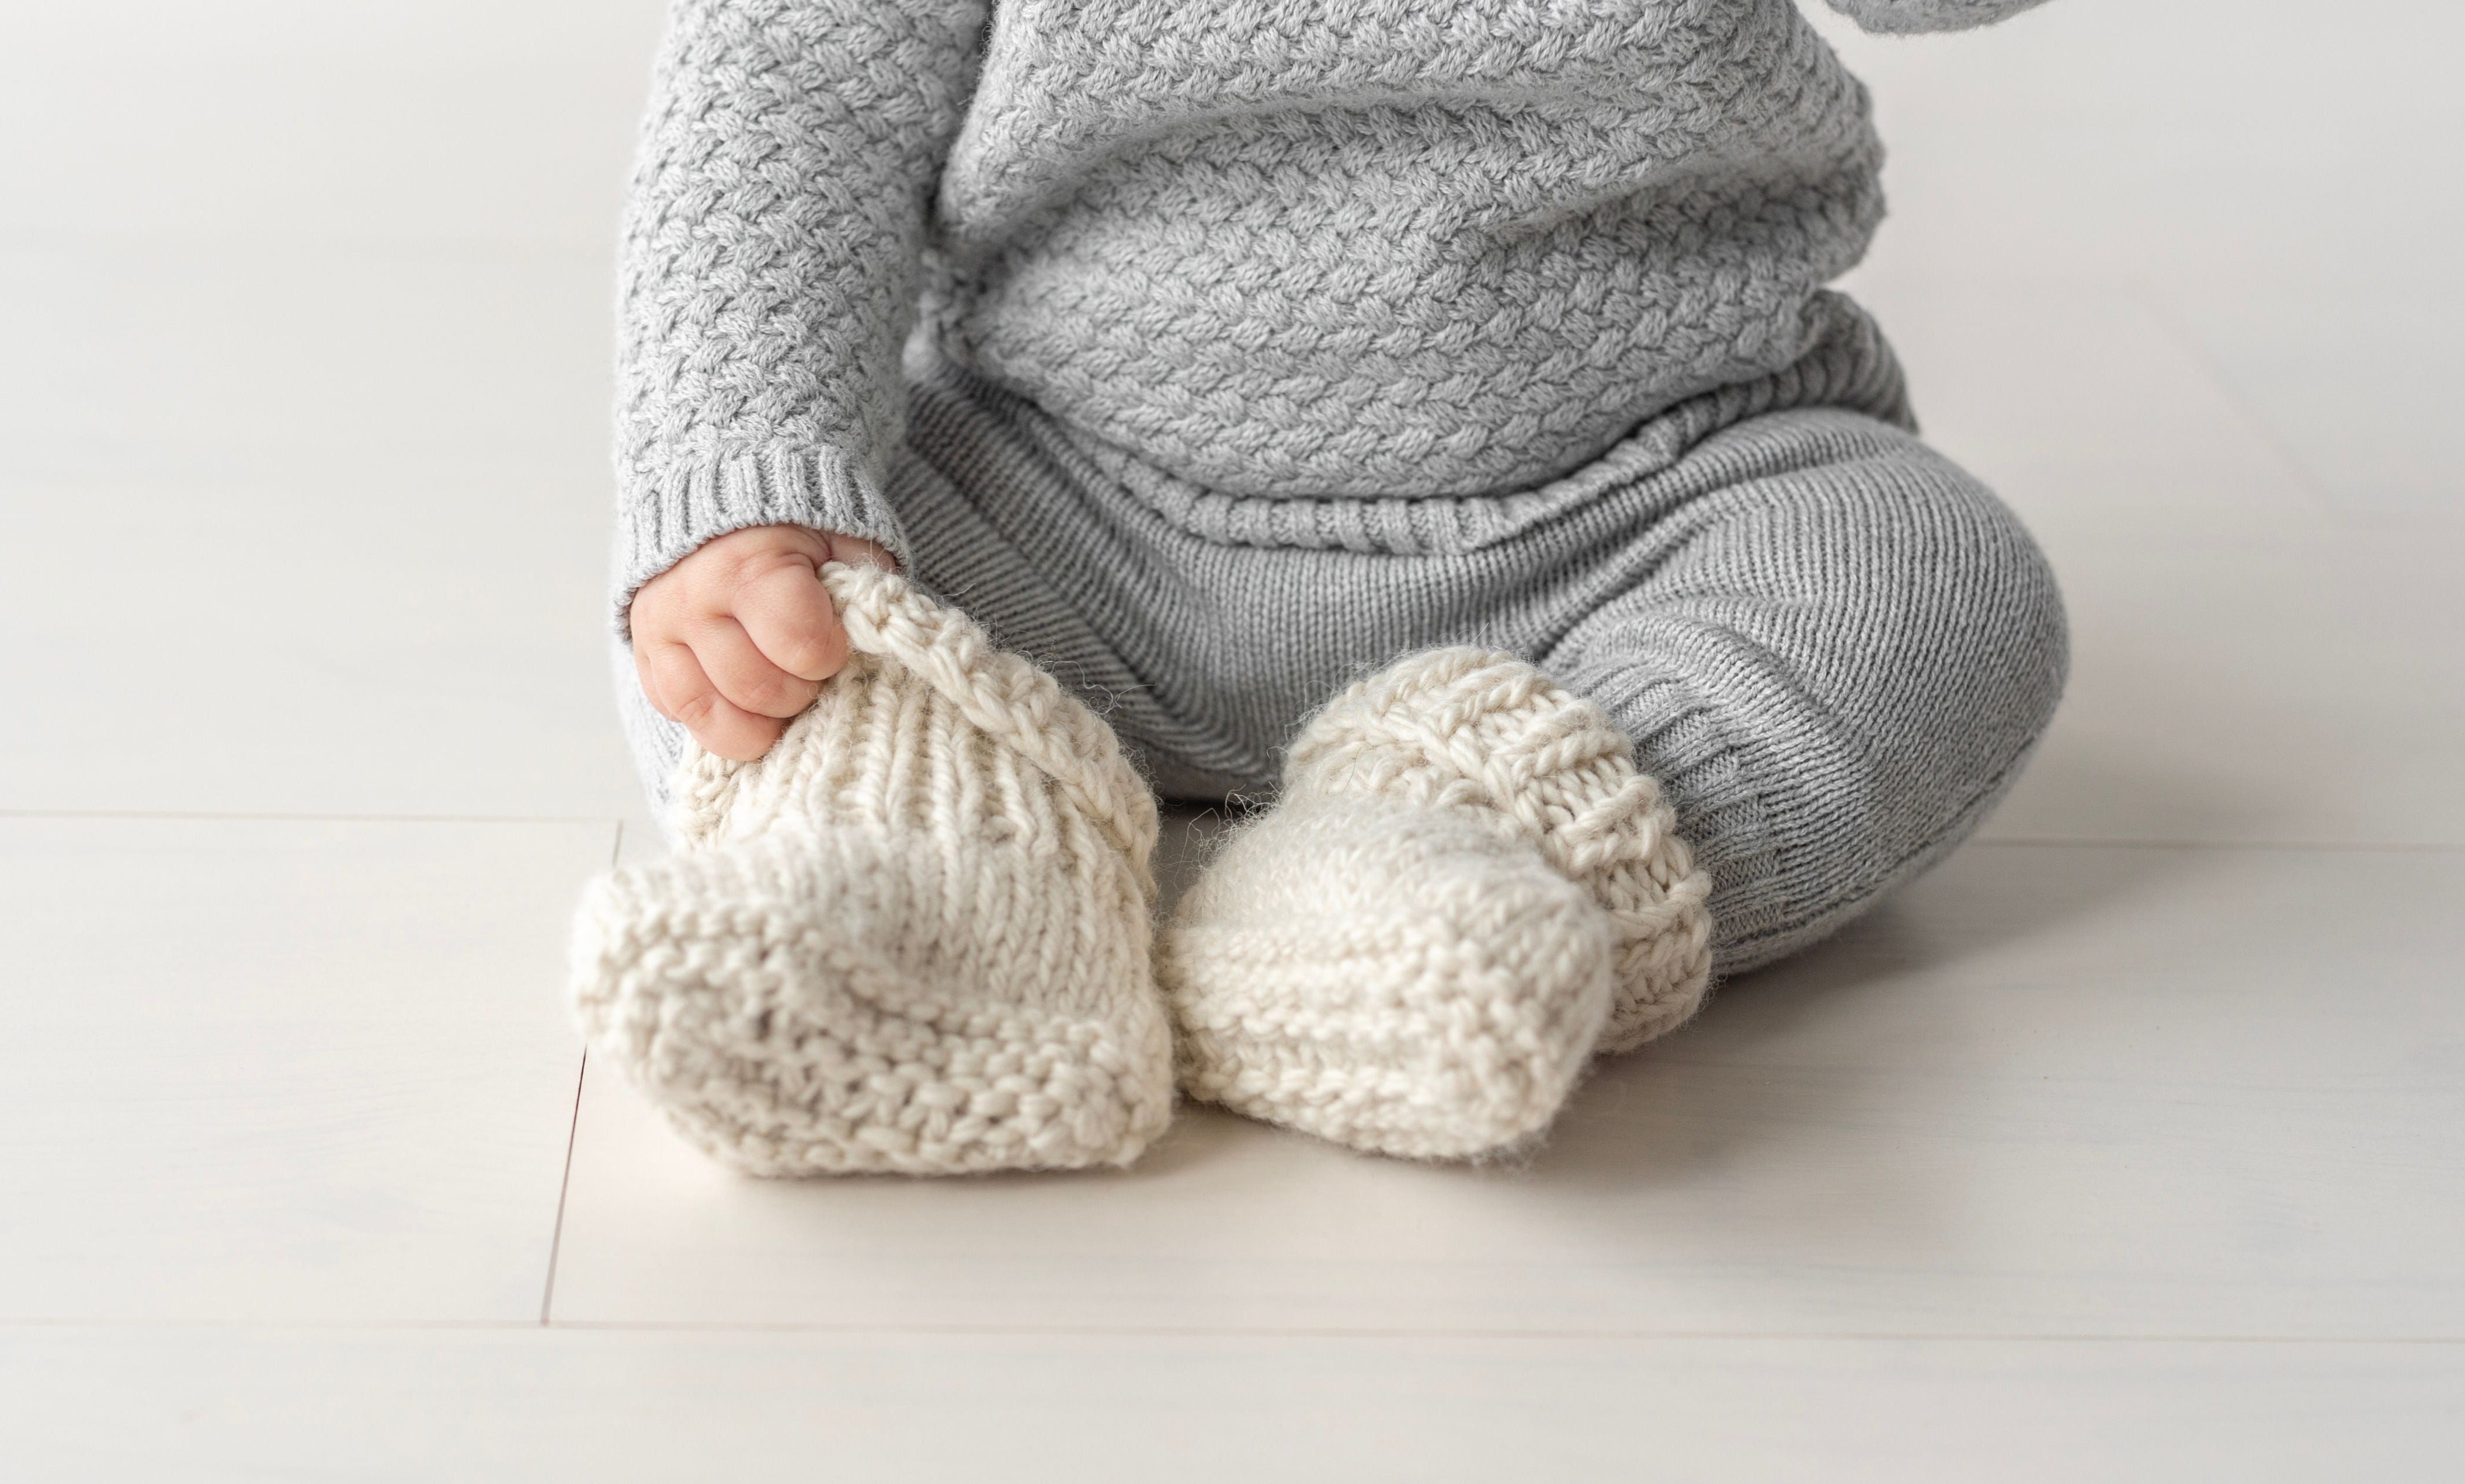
1467,890
913,937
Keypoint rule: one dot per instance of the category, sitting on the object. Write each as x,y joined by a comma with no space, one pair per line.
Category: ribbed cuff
1724,812
668,513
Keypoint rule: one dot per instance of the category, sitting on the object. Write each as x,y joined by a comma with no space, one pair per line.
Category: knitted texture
1466,891
768,268
1289,248
913,937
1398,979
1832,647
1484,732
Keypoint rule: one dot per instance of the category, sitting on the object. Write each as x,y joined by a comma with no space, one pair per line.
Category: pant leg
1837,665
1833,646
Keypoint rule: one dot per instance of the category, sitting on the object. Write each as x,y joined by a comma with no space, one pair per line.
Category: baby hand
739,637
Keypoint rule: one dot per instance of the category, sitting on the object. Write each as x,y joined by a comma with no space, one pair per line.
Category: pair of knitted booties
918,935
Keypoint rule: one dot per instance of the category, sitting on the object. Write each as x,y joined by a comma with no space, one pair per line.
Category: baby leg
1837,667
1763,688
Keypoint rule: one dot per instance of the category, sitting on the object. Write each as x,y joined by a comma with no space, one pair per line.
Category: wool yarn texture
1466,891
1486,733
913,937
1293,248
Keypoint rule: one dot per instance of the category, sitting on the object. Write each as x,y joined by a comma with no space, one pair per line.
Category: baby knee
1926,661
1998,651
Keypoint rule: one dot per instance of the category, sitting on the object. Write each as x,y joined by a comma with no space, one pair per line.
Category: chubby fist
739,637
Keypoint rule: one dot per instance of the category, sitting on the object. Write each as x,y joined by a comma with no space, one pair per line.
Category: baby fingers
786,613
682,690
746,675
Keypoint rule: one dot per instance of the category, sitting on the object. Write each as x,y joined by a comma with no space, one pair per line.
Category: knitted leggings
1833,646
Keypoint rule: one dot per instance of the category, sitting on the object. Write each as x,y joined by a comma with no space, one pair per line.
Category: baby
1421,419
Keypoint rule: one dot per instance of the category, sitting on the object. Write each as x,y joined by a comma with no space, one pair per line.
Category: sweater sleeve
1915,16
769,265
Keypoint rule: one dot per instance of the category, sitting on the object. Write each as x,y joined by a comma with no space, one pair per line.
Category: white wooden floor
2130,1144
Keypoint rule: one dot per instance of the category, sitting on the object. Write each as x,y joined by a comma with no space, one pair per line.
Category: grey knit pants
1832,647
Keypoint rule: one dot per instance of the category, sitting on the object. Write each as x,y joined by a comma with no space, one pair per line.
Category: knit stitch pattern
1467,890
1398,979
769,261
1387,247
1475,730
1293,248
913,937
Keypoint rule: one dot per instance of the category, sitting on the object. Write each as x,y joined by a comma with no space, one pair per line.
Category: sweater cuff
668,513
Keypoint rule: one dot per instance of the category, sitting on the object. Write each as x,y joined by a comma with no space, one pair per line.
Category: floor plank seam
564,1185
1207,1332
217,816
2256,847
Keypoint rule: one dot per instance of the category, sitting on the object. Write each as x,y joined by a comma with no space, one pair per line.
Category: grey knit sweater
1306,248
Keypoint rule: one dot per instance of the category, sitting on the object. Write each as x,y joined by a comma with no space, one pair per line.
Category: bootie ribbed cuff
1487,733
